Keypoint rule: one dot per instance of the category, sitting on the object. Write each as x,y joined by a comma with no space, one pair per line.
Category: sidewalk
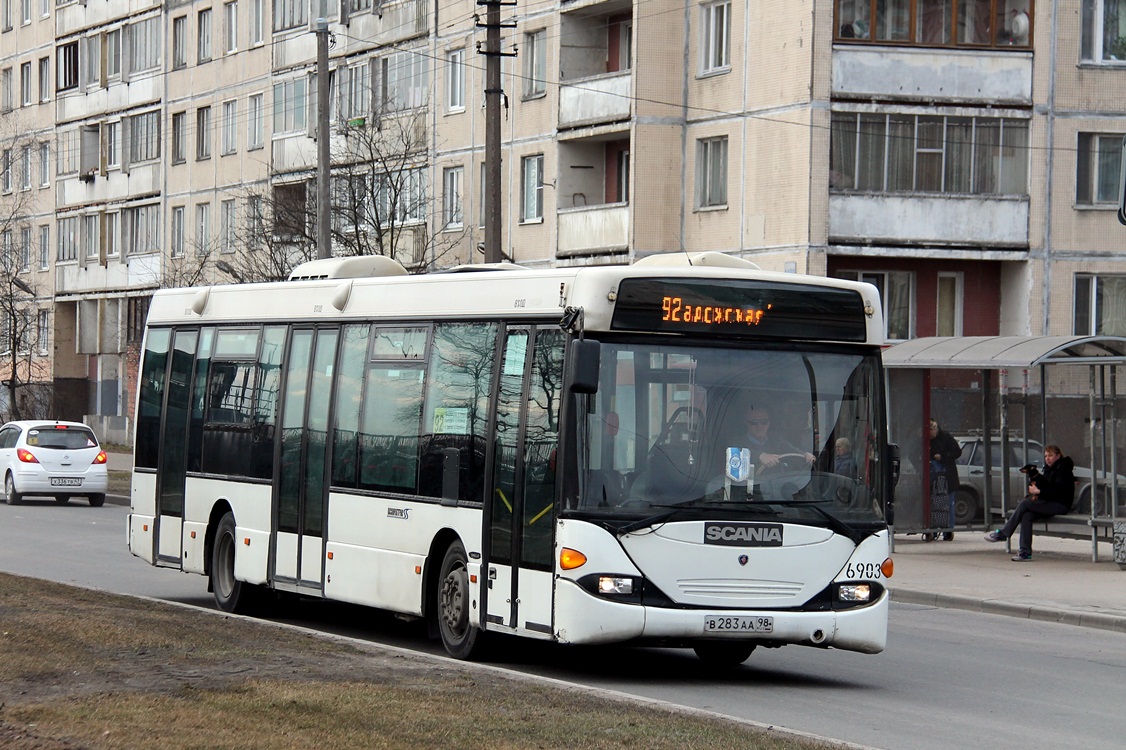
1060,584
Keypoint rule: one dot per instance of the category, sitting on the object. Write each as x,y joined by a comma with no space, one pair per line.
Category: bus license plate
739,624
66,481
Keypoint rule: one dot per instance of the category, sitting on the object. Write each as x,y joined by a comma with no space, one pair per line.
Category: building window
203,133
111,136
90,236
202,227
113,52
1100,305
7,96
896,295
144,48
402,196
25,12
203,38
140,229
25,249
228,224
44,247
404,81
531,188
289,106
230,27
177,232
711,172
111,224
929,154
68,239
44,164
1002,24
1104,31
230,127
44,79
179,42
354,95
715,37
144,137
256,10
254,135
289,14
26,86
6,170
25,168
451,197
455,80
179,138
535,63
137,314
1098,166
948,309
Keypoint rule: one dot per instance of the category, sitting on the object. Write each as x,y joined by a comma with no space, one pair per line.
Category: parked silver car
971,478
55,459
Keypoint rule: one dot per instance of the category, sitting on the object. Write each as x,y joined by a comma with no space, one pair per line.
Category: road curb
1097,620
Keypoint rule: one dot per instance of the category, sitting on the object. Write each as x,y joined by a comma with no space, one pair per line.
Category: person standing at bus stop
944,453
1050,493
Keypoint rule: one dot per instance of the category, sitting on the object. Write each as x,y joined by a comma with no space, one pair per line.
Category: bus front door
301,471
521,521
172,471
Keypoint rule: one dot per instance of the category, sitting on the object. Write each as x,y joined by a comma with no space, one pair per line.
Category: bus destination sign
743,308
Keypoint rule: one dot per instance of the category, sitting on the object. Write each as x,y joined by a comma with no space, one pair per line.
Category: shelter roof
1005,352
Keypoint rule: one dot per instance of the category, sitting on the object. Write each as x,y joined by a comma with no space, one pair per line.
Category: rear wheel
97,500
717,654
11,497
461,639
231,594
1101,507
62,499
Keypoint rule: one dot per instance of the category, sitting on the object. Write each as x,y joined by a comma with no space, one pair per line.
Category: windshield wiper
692,506
835,523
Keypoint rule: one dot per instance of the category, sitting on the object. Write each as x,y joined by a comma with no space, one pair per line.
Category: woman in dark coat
944,453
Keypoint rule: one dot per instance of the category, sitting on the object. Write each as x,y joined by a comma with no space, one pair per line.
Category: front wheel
231,594
461,639
723,654
11,497
97,500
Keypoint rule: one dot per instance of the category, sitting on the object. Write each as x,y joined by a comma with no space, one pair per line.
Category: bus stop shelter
1005,364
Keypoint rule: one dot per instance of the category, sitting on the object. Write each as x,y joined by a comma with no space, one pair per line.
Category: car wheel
62,499
723,654
11,497
97,500
966,506
461,639
1101,507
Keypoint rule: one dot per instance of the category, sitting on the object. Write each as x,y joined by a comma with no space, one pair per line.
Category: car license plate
739,624
66,481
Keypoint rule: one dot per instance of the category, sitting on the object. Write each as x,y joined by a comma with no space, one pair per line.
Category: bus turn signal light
887,568
569,559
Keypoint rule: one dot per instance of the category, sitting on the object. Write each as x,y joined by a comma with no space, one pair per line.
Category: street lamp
226,268
18,284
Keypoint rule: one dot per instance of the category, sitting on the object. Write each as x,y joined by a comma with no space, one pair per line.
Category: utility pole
324,236
493,100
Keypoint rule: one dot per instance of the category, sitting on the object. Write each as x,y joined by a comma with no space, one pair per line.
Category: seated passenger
843,462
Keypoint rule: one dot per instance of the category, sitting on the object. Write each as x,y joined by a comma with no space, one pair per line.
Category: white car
971,479
55,459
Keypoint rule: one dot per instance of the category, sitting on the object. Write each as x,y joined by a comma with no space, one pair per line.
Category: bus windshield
793,434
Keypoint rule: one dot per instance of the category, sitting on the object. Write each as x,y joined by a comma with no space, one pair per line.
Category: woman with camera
1050,493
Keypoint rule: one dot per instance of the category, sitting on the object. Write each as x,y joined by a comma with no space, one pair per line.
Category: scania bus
559,454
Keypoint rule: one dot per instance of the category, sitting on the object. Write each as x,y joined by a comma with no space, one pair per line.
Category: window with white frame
230,27
44,79
203,133
113,52
68,239
203,36
289,14
44,247
404,81
928,153
452,179
25,12
455,80
531,188
90,236
354,90
1098,166
1103,37
6,170
179,42
140,229
144,44
144,137
202,227
897,295
715,36
256,25
44,8
7,95
230,126
25,249
289,106
535,63
402,196
90,62
66,151
26,86
948,307
711,172
111,136
43,331
25,167
254,133
179,137
111,231
177,230
228,225
44,164
1100,305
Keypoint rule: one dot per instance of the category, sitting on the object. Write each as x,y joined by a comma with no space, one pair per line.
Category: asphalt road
948,679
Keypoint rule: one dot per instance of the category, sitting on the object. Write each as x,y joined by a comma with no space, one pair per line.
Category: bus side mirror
585,358
893,463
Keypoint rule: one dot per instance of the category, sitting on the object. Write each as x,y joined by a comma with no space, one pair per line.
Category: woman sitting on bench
1050,493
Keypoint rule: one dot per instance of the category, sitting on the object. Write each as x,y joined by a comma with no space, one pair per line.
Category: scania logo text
744,534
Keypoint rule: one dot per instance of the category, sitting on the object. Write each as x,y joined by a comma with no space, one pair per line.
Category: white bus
558,454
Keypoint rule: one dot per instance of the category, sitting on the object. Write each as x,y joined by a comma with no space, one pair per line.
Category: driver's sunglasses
758,422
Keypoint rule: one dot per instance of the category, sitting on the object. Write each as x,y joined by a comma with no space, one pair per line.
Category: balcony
595,100
137,272
593,230
991,222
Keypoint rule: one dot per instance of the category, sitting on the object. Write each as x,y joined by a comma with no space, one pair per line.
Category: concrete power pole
324,236
493,100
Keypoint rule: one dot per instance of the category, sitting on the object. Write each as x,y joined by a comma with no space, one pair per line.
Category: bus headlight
615,585
855,592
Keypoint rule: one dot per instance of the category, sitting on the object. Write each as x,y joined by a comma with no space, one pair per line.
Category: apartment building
964,155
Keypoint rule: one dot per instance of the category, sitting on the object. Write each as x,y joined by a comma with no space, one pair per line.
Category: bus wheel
717,654
461,639
231,594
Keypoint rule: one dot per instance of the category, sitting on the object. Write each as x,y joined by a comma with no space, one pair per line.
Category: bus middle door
172,469
522,517
301,485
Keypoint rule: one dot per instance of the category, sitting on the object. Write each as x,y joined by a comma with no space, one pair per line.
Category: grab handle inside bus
585,357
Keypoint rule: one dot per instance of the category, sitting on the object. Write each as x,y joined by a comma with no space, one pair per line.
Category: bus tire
719,654
231,594
461,640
